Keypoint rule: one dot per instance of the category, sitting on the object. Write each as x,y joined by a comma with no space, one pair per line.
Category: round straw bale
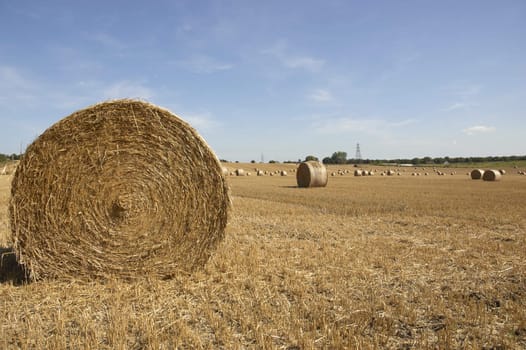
358,172
491,175
122,189
260,173
240,172
312,174
476,174
224,170
283,173
502,171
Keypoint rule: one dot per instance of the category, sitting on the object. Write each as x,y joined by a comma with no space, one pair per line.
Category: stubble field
401,262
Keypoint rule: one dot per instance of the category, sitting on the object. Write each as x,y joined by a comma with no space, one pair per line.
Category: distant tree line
341,158
6,157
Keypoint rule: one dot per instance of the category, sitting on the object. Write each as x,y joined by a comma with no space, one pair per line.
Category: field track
398,262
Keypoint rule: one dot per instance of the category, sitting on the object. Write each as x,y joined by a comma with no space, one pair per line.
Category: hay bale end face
476,174
491,175
122,189
312,174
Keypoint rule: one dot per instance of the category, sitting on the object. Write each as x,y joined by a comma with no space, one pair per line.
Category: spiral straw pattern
120,189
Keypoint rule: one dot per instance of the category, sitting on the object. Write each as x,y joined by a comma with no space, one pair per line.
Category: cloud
127,89
16,87
201,121
321,95
307,63
464,90
458,106
107,40
478,129
294,61
350,124
204,64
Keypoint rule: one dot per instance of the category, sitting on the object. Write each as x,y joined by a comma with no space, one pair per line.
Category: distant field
398,262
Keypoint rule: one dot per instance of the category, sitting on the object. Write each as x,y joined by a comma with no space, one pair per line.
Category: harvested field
365,263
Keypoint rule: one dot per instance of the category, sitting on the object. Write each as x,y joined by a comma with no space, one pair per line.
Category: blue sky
282,79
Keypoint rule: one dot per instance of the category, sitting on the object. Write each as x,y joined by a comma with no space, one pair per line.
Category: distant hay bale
122,189
476,174
390,172
491,175
502,171
224,170
333,174
283,173
312,174
240,172
358,172
260,173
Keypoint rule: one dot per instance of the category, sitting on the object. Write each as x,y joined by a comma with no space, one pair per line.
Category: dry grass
364,263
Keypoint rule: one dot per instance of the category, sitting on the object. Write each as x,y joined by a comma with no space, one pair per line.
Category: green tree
339,157
307,158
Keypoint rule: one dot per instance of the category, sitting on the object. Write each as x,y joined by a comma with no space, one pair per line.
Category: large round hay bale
358,172
122,189
240,172
312,174
476,174
491,175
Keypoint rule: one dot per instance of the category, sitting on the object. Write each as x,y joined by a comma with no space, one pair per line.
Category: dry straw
312,174
120,189
476,174
491,175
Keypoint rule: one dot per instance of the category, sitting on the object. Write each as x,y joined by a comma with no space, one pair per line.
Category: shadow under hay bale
10,269
122,189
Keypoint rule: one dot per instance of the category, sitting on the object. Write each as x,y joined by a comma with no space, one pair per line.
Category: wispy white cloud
321,95
107,40
16,86
458,106
201,121
281,52
478,129
464,90
127,89
336,125
204,64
